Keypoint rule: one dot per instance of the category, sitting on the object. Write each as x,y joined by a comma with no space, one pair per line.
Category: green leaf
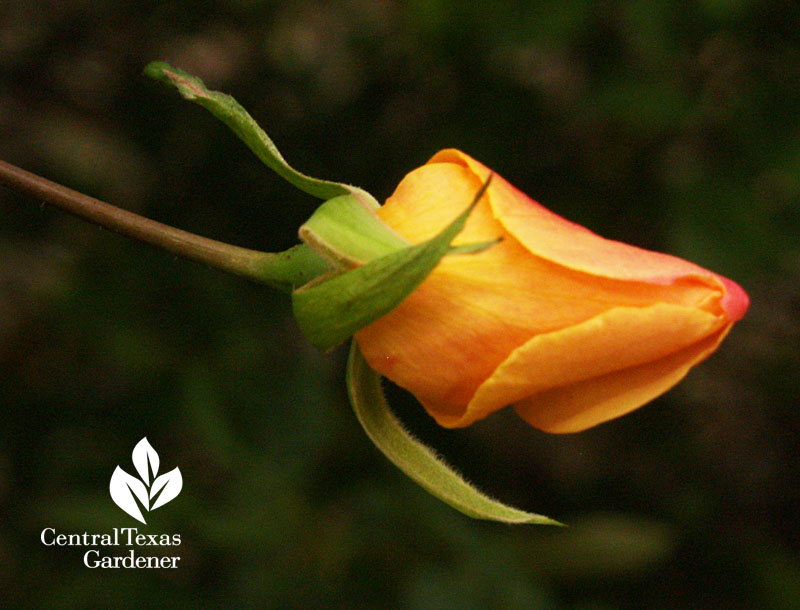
332,308
414,458
228,110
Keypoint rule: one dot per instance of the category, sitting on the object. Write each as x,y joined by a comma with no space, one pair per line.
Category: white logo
150,490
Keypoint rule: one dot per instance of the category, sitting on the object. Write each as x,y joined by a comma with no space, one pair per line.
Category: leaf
329,311
144,455
123,487
171,483
228,110
415,458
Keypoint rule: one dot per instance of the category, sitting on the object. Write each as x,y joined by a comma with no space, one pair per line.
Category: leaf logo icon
150,490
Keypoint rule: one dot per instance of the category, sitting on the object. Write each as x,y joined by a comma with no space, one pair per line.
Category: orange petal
474,310
430,197
558,240
585,404
618,339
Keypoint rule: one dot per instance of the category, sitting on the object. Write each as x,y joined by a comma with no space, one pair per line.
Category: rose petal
473,311
558,240
617,339
581,405
428,198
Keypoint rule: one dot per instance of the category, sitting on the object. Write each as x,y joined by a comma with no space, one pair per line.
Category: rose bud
568,327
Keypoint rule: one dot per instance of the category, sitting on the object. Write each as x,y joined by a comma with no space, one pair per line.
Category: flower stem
282,270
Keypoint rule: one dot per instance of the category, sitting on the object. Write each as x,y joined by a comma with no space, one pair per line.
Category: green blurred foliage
671,125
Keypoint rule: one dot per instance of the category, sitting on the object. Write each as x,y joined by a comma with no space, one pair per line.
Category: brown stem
252,264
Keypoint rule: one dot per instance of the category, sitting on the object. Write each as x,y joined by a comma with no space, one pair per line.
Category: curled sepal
347,233
416,459
333,307
238,120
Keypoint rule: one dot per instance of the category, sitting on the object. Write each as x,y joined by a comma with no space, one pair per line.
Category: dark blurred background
670,125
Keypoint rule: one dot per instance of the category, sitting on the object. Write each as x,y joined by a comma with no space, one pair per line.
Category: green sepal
228,110
474,248
348,234
416,459
289,269
332,308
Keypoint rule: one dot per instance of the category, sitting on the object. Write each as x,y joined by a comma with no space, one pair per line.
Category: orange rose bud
568,327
